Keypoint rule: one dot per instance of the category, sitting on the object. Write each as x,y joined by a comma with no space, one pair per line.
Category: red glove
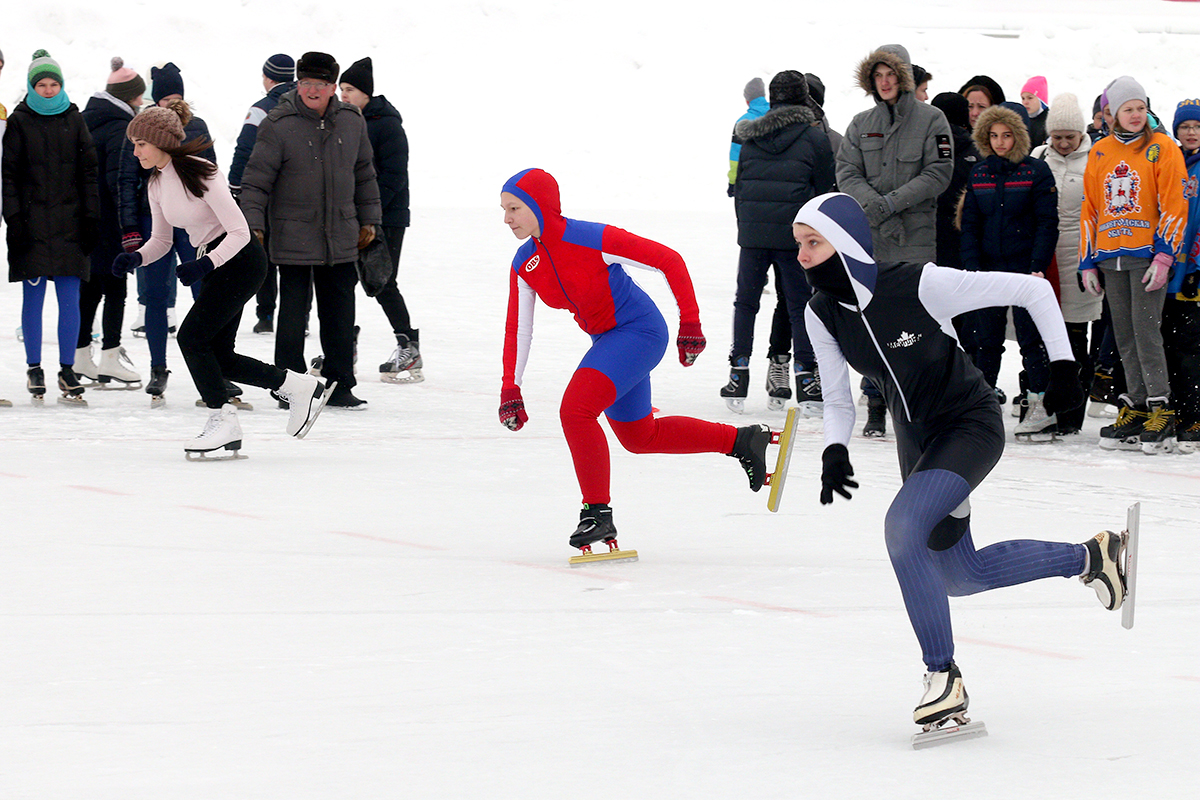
1158,272
512,409
691,342
131,240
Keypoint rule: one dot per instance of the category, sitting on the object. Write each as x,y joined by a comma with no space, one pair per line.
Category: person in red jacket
579,266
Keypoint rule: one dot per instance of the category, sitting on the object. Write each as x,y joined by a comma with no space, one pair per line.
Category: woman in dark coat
52,208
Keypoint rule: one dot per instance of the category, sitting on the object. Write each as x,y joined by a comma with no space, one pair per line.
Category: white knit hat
1065,115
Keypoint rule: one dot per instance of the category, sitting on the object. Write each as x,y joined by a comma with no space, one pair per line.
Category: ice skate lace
1159,419
777,375
214,422
402,358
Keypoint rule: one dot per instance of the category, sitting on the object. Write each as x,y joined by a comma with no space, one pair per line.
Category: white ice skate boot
945,696
306,396
1105,571
84,366
221,432
1038,426
138,329
115,368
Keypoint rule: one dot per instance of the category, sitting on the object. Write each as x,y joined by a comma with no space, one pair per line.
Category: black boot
750,449
595,524
876,425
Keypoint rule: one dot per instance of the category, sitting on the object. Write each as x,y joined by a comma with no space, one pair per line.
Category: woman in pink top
189,192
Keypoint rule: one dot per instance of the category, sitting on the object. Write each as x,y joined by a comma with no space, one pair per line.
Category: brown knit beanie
161,127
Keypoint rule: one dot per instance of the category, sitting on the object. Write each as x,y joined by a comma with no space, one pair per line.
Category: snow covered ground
384,609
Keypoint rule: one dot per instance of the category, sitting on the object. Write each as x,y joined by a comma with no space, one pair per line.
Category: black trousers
265,305
206,336
103,284
332,285
390,299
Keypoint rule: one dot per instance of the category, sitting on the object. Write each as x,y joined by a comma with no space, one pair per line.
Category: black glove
191,271
835,473
1064,391
731,190
126,263
1191,286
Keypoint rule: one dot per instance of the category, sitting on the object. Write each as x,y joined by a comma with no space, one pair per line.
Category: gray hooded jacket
314,179
902,152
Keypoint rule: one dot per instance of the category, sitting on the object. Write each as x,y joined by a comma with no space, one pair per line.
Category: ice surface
384,609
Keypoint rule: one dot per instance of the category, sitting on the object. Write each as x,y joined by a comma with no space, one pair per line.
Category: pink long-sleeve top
204,218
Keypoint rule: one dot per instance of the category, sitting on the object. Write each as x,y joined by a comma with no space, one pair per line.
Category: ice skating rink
384,608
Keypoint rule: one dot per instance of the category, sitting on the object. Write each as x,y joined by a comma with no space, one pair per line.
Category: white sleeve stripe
526,298
255,116
838,412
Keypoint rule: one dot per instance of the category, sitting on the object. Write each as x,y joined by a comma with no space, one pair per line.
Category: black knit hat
987,83
361,76
165,81
816,88
955,107
789,88
317,66
280,68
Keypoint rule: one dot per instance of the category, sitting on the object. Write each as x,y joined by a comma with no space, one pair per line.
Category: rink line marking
768,606
225,512
101,490
390,541
12,475
1031,650
1192,678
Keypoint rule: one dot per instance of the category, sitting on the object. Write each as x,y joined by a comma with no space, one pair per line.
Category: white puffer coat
1077,305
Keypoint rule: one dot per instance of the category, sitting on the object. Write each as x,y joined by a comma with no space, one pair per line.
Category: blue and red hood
840,219
537,189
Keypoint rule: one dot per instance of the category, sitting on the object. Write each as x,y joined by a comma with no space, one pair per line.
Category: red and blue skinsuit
578,266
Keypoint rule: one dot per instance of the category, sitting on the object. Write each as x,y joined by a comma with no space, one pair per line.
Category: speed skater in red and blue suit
580,266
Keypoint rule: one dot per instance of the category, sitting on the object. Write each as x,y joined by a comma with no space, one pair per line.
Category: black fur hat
317,66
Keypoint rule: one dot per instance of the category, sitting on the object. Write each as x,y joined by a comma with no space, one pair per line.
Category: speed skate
614,553
956,726
785,439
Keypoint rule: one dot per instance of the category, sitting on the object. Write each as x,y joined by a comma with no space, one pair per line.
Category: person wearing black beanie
166,83
966,156
389,144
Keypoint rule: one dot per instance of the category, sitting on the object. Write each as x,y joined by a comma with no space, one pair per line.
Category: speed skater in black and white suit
892,324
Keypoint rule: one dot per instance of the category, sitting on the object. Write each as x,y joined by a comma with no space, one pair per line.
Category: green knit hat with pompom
44,66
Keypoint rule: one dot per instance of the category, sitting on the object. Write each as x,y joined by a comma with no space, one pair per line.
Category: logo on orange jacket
1121,189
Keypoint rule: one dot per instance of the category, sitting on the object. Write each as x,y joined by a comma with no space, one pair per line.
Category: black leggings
206,336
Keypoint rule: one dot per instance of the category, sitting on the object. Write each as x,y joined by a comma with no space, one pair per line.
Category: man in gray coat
896,159
311,180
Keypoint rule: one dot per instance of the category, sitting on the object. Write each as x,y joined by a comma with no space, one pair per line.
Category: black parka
784,163
385,129
51,202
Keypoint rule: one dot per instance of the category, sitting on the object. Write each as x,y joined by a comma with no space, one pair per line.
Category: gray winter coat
904,152
311,182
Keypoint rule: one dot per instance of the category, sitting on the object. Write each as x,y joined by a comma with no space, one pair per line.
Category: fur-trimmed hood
990,117
773,121
895,57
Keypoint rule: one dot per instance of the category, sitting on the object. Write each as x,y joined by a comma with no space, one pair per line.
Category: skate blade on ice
413,376
300,434
812,409
776,403
1128,443
601,558
1165,446
110,384
1129,539
736,404
72,401
158,401
776,479
232,452
1037,438
236,402
953,728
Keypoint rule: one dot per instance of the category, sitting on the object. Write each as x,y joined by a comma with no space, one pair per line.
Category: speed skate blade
777,478
1132,523
596,558
948,733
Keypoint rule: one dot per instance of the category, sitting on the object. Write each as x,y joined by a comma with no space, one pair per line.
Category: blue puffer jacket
1191,238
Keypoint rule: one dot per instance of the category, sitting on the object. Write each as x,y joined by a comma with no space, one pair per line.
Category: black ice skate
1126,432
1187,437
779,382
72,390
1158,434
405,358
35,381
736,390
876,425
750,448
1103,393
942,712
808,393
157,387
596,525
